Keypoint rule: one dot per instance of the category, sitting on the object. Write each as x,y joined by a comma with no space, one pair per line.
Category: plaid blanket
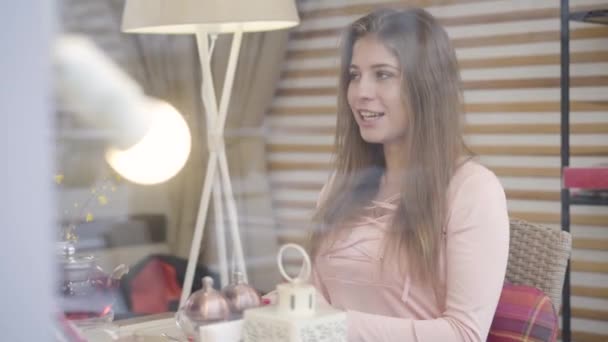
524,313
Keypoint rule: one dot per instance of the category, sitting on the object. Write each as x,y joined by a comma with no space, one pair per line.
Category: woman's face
374,92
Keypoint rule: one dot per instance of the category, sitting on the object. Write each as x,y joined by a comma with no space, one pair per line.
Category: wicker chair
538,256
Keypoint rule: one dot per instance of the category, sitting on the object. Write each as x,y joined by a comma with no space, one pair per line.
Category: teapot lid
240,295
206,304
67,254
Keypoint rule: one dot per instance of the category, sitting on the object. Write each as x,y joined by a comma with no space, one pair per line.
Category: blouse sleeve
477,244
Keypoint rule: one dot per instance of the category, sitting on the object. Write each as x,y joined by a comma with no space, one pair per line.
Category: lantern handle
306,267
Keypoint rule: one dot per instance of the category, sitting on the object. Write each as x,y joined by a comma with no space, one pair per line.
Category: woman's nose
366,89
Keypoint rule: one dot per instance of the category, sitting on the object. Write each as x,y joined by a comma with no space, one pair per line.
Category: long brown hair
431,92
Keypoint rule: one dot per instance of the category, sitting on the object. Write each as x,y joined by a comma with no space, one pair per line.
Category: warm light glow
160,154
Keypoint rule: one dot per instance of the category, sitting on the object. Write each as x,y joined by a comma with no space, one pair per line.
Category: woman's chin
372,138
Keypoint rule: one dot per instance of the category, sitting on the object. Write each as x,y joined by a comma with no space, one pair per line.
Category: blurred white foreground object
149,139
160,154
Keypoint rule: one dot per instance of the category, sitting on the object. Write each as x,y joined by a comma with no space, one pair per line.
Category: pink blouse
383,304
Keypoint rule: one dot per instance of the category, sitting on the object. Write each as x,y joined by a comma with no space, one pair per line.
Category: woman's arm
476,258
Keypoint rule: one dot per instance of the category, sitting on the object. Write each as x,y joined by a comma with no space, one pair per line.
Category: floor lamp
206,19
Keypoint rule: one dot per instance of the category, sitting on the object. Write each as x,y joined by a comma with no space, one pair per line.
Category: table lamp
205,19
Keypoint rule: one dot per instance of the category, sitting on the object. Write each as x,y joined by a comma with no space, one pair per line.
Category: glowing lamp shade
160,154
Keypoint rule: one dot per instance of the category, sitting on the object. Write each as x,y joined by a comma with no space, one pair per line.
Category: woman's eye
382,75
353,75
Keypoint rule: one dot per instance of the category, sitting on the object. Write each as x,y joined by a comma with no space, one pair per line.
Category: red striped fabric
524,313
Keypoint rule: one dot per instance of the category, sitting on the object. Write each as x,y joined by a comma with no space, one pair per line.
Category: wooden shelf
587,179
577,199
599,16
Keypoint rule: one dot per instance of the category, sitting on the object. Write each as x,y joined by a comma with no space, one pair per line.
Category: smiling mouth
370,116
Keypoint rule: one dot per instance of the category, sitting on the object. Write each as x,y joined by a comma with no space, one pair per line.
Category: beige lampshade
214,16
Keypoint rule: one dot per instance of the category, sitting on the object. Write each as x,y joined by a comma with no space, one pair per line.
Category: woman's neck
394,156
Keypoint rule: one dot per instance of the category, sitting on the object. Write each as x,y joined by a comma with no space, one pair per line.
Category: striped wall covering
509,57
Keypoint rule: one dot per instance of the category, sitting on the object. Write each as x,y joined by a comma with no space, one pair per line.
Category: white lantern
295,318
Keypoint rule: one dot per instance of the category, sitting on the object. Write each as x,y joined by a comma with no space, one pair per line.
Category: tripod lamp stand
207,19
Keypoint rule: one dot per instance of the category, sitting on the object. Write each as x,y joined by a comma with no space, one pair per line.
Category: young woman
413,235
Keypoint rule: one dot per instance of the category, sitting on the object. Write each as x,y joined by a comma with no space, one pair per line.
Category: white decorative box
264,324
296,317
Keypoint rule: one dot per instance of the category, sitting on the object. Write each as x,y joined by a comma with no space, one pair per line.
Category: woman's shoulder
475,197
471,176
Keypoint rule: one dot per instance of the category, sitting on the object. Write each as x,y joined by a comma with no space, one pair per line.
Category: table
150,329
